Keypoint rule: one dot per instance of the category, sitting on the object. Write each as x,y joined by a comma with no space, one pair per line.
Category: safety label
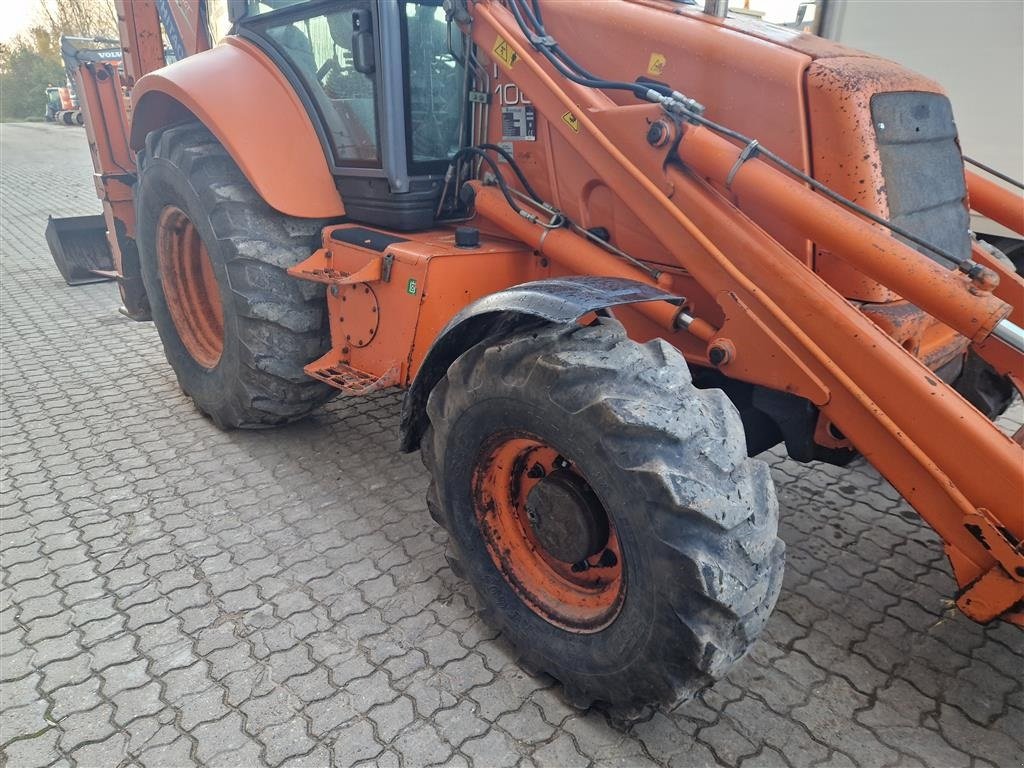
518,123
657,64
572,121
504,52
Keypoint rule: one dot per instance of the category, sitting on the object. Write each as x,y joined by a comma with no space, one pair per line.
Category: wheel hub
547,533
566,517
190,287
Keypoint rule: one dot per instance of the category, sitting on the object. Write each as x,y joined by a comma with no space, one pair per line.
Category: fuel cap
467,237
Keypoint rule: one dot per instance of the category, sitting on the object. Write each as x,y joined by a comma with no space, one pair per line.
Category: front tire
235,327
686,565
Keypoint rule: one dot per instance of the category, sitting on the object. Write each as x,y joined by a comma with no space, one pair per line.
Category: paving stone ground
174,595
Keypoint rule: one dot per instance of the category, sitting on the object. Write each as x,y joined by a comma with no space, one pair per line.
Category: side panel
745,82
390,295
237,92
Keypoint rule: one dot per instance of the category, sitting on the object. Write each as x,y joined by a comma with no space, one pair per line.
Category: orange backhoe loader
611,251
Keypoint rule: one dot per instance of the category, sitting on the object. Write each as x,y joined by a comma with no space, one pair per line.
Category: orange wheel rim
537,515
190,287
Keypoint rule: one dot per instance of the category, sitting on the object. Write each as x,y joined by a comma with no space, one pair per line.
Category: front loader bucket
80,249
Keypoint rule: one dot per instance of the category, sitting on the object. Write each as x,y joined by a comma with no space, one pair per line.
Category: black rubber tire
274,324
697,520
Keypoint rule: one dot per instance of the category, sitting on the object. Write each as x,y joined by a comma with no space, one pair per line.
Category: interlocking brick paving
174,595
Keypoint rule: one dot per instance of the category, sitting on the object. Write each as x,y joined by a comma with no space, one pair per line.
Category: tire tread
281,320
719,534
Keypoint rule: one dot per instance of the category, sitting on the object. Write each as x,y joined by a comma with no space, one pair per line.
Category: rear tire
695,520
258,327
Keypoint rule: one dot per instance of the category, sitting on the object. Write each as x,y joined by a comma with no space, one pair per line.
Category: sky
15,16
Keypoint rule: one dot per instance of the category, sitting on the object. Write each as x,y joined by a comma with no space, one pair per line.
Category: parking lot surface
176,595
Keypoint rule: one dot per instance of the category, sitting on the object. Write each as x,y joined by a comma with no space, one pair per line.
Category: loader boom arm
787,328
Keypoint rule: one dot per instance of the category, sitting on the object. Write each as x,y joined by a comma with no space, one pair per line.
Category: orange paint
790,330
193,298
790,290
566,594
260,121
998,203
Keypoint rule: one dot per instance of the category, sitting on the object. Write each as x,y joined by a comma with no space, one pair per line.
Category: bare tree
31,62
80,18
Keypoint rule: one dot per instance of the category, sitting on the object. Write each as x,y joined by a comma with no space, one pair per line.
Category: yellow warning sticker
572,121
657,64
504,52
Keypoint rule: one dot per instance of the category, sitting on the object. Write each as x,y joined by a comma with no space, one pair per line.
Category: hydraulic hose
531,25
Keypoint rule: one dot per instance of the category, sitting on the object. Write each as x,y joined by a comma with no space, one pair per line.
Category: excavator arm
103,72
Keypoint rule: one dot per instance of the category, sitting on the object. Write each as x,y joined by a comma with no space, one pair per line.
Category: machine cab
358,65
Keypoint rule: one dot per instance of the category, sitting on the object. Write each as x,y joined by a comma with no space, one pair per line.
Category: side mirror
362,42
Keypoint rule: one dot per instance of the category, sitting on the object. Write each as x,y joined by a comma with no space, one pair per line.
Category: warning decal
657,64
504,52
572,121
509,147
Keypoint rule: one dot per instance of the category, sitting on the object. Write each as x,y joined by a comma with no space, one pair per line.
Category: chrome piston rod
1010,333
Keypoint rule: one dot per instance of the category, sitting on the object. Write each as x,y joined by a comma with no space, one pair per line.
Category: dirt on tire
697,519
273,324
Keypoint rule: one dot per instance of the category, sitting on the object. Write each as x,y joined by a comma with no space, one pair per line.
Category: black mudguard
558,300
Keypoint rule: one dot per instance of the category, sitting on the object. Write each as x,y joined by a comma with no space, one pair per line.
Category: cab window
320,50
435,86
